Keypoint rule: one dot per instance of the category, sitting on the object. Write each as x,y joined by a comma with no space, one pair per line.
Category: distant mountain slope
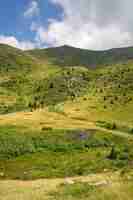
70,56
15,59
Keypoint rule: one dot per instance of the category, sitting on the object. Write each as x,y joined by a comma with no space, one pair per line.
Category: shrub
113,154
105,106
59,108
131,130
124,156
51,86
112,102
47,128
104,98
107,125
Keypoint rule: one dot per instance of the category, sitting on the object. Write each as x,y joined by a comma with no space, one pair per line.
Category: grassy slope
14,67
36,154
13,60
109,96
18,71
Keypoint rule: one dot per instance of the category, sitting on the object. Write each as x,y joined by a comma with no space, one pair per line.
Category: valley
66,113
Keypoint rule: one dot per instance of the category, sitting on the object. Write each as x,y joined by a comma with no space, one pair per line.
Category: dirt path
39,189
115,132
39,119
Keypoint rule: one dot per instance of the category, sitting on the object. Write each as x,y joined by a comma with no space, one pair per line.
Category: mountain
13,58
70,56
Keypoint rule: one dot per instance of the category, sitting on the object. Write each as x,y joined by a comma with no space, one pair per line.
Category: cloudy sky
90,24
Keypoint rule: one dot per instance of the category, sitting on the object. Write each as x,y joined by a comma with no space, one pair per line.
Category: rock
101,183
68,181
2,174
105,170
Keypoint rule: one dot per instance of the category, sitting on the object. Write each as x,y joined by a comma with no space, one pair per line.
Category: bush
131,130
113,154
47,128
107,125
59,108
124,156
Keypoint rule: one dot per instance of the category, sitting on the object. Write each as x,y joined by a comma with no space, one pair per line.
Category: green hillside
18,72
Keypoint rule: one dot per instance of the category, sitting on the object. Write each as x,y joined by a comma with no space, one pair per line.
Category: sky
89,24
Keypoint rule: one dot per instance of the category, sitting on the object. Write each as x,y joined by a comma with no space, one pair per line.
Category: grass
82,188
84,191
51,153
40,119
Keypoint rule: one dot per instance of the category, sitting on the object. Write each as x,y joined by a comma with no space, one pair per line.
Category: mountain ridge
70,56
65,56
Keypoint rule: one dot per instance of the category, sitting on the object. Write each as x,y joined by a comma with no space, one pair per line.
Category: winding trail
116,132
39,119
40,189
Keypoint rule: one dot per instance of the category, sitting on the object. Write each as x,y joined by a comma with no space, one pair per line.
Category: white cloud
91,24
59,33
32,10
12,41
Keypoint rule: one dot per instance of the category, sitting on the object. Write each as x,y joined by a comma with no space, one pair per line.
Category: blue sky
90,24
13,22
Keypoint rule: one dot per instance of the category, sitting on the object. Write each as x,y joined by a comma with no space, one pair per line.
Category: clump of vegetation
74,191
59,108
107,125
113,154
85,191
66,85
